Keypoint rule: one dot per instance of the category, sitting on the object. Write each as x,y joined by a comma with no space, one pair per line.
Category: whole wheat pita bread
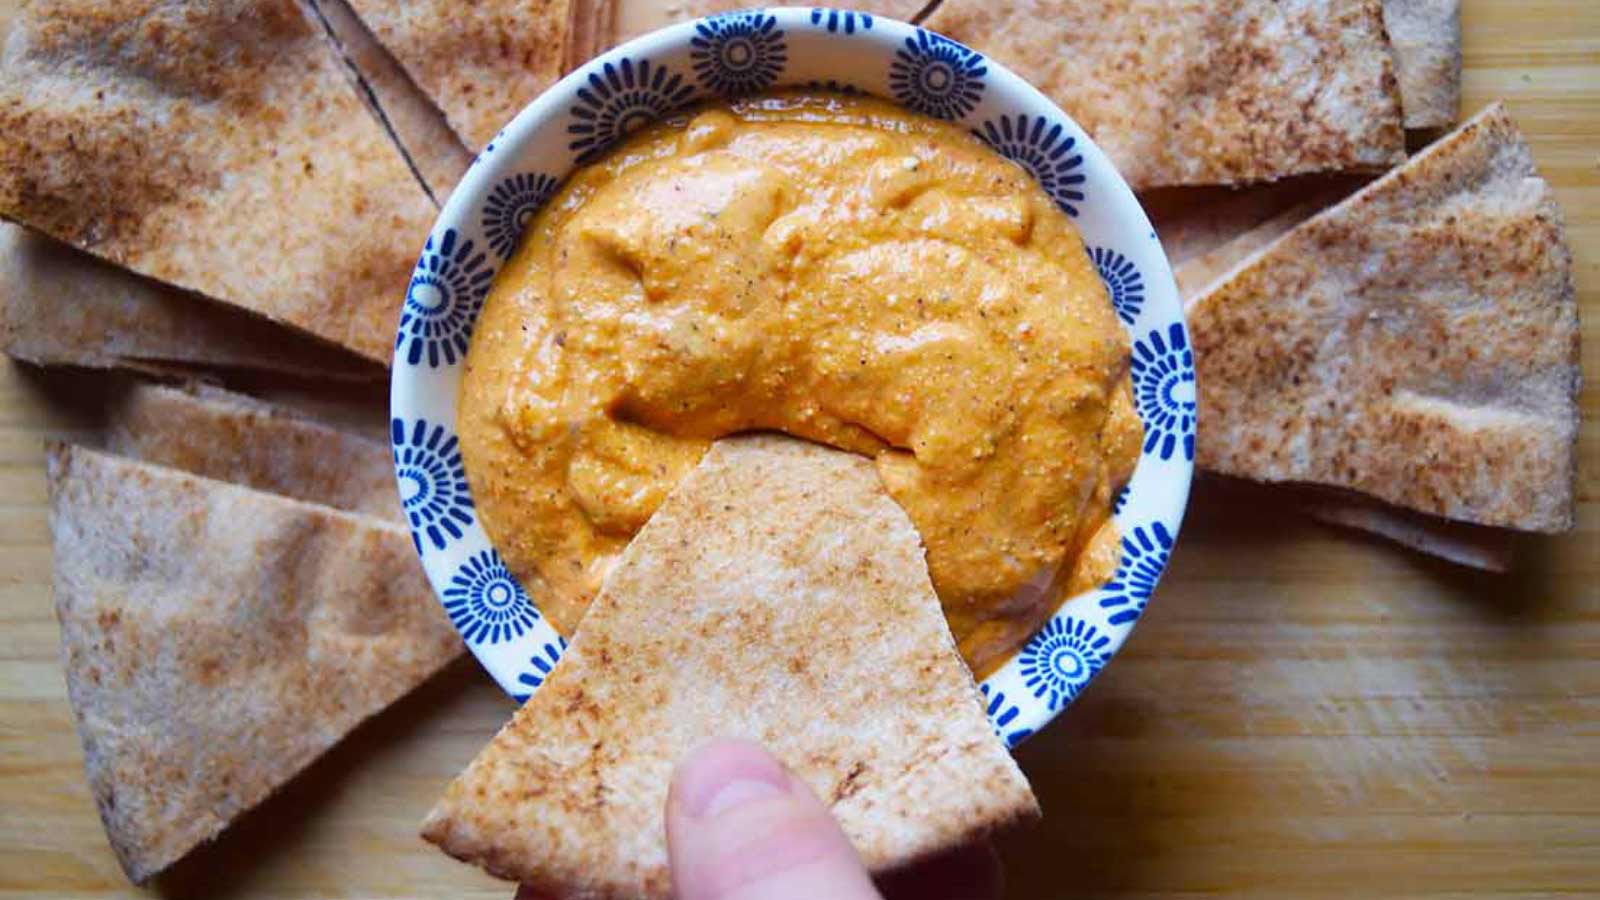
481,62
233,438
1418,343
217,640
1204,91
1474,546
778,595
60,306
417,126
214,144
634,19
1427,59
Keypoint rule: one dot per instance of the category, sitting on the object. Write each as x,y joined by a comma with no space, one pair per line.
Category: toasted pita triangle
1418,343
419,128
218,639
779,595
233,438
59,306
1204,92
217,145
1427,58
481,62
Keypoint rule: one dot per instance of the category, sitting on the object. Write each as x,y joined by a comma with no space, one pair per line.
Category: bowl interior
582,116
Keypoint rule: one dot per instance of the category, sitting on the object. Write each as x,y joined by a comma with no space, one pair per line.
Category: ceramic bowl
579,118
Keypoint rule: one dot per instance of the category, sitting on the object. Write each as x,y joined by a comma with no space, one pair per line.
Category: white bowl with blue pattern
579,118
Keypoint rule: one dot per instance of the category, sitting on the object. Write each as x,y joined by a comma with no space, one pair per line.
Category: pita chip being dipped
481,62
240,440
778,595
217,640
217,145
1417,343
63,307
1204,91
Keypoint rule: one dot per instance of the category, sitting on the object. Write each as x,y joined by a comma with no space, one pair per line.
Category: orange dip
833,268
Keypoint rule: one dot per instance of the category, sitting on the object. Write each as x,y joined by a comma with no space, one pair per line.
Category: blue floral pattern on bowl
486,603
1145,551
620,98
1061,658
442,302
1163,388
539,668
583,116
738,52
433,482
511,205
840,20
936,76
1002,713
1045,150
1123,282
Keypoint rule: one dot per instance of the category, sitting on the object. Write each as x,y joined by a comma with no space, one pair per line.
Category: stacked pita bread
1417,343
778,595
218,638
418,128
480,62
218,146
59,306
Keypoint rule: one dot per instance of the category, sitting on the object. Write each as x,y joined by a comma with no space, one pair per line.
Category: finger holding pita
740,827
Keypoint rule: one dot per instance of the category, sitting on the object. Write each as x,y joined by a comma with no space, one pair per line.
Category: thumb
740,827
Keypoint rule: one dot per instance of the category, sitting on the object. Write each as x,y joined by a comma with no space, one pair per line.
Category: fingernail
722,776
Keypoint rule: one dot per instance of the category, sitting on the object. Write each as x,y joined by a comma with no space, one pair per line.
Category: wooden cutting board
1303,713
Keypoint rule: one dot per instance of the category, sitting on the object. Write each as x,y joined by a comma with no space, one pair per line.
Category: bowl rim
679,65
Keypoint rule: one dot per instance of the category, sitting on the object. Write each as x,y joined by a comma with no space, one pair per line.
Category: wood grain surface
1303,712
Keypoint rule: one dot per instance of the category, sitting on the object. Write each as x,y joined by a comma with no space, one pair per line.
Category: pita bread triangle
1427,59
1417,343
240,440
60,306
418,127
480,62
217,640
1204,92
778,595
217,145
